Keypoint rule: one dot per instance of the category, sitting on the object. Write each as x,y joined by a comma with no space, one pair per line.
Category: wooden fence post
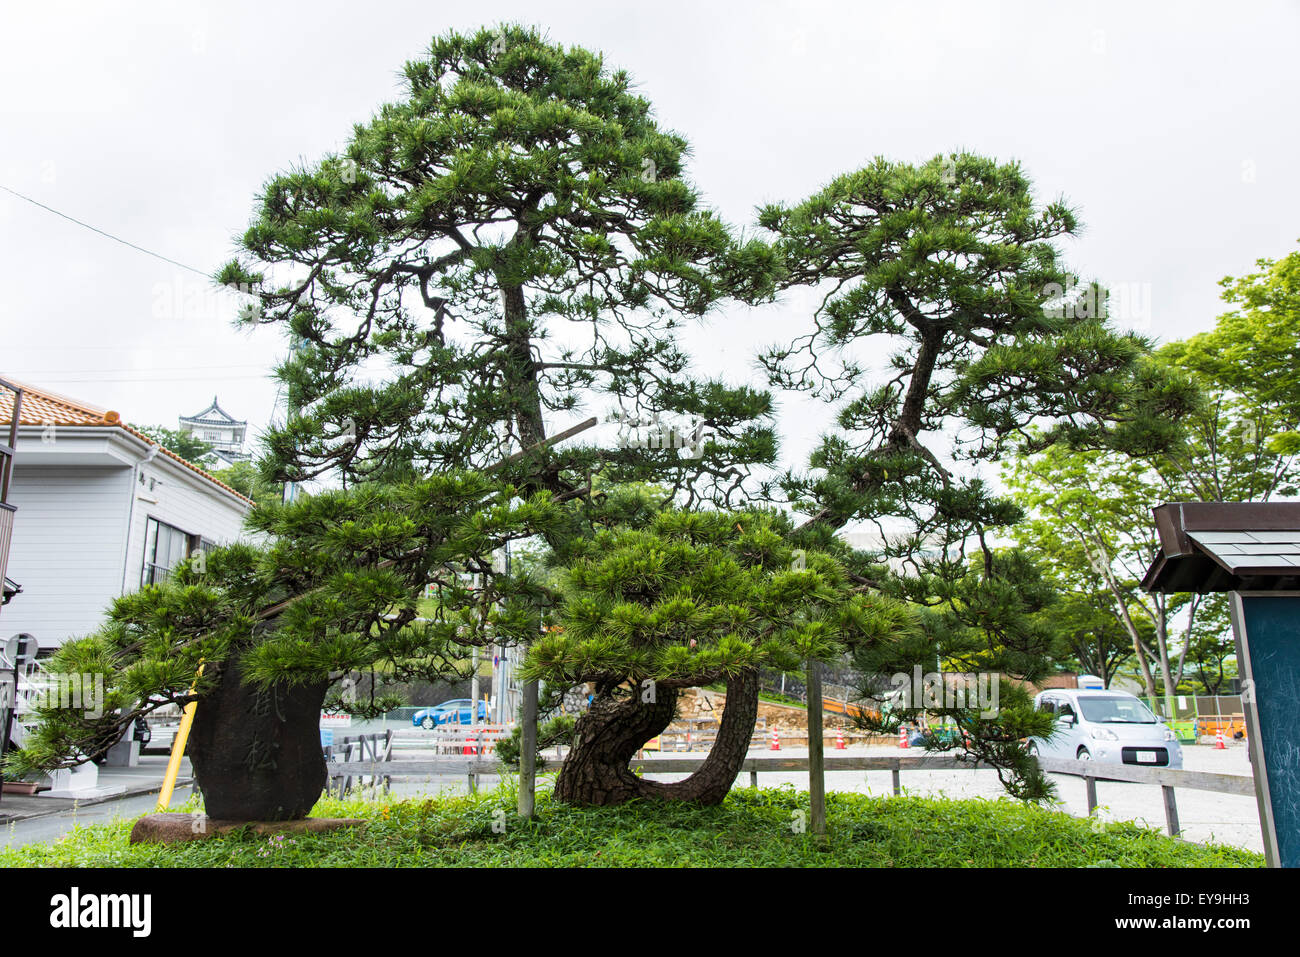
816,756
528,751
1171,810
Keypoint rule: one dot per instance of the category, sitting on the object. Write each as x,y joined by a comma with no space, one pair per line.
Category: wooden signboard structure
1252,551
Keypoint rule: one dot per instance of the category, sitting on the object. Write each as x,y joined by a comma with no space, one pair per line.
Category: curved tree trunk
595,772
605,739
256,753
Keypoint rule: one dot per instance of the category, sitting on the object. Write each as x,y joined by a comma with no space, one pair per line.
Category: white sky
1169,126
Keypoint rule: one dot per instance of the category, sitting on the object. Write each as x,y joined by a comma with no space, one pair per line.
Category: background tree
1088,513
248,480
1091,510
951,263
1212,648
185,444
1086,635
1251,353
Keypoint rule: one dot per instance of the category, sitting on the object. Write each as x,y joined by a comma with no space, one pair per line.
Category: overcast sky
1169,126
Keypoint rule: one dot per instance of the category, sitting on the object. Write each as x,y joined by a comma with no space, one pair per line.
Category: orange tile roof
42,407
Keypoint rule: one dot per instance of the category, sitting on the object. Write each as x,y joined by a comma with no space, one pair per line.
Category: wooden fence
1167,779
353,750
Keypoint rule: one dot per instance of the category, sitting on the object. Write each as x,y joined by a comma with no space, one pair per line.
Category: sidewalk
145,778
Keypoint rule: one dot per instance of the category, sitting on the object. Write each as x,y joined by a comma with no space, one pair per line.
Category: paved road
51,828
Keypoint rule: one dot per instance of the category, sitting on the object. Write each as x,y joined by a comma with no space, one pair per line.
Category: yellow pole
178,747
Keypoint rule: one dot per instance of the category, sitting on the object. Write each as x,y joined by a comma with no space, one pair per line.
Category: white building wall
67,549
79,530
185,500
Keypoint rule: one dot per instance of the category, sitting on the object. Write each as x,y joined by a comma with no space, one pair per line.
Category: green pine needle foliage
332,593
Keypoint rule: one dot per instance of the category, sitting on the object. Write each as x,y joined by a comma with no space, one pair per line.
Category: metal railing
7,448
7,453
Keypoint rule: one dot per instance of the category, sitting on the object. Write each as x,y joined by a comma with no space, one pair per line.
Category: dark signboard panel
1267,627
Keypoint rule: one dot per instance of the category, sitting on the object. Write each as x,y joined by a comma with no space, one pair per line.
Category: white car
1111,726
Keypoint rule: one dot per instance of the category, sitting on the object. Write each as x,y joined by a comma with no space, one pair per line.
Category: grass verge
752,828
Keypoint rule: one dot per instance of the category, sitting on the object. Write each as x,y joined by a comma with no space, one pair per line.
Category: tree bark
256,753
596,771
906,426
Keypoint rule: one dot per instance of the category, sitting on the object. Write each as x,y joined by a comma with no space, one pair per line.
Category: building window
164,546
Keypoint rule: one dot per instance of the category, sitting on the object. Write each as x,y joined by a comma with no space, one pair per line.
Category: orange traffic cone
775,744
1218,741
839,739
902,736
470,745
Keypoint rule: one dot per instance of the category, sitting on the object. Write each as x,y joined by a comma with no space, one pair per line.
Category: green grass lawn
753,828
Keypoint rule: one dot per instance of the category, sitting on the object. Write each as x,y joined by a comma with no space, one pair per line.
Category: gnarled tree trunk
595,771
256,753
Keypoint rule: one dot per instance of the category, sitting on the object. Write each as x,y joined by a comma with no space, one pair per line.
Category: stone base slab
171,827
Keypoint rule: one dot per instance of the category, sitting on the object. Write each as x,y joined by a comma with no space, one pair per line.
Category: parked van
1111,726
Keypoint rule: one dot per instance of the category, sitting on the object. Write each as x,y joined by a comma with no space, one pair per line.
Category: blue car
456,711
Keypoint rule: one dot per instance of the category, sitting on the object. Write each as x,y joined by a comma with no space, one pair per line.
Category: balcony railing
7,447
6,475
6,535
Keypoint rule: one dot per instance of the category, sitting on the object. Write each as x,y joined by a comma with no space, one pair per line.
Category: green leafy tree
1091,509
1087,636
1252,351
248,480
1212,648
185,444
1089,517
1243,437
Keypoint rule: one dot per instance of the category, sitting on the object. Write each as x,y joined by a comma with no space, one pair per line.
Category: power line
116,239
134,380
135,369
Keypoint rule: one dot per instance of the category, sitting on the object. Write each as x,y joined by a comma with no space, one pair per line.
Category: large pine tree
511,241
654,606
954,266
276,629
